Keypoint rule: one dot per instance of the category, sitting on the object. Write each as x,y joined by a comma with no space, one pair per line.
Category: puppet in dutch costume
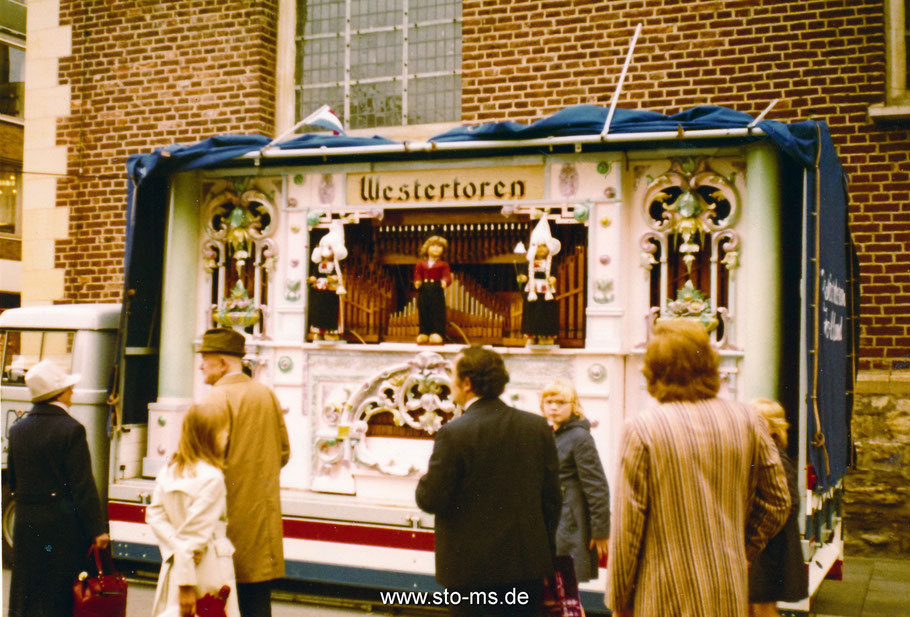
326,284
540,309
431,276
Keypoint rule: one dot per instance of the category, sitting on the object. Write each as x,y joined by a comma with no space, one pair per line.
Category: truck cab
81,339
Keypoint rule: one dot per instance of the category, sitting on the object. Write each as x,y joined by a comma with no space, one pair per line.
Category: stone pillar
181,246
877,491
759,323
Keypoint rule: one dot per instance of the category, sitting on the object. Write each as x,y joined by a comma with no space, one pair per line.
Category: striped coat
700,490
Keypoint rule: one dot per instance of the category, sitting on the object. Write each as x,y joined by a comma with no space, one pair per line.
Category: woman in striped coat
699,491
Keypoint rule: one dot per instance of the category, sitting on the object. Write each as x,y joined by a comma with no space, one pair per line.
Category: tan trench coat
257,449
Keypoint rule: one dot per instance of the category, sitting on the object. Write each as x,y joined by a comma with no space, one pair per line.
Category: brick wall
145,74
523,59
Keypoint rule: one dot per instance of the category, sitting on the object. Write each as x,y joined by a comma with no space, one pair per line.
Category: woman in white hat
540,309
326,284
58,513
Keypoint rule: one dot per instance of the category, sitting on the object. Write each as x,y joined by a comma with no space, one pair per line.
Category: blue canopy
796,140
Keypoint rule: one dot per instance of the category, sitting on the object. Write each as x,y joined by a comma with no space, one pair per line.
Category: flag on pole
325,118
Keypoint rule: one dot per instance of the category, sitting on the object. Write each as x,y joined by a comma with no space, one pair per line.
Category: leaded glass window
379,62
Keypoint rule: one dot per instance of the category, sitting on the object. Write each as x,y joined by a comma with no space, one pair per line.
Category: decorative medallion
597,373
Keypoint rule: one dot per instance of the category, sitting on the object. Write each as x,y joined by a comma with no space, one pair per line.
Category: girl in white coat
188,516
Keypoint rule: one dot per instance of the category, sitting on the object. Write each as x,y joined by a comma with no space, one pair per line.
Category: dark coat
493,485
779,574
58,513
585,496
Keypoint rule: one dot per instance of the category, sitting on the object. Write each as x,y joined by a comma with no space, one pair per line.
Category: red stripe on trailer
358,534
344,533
125,512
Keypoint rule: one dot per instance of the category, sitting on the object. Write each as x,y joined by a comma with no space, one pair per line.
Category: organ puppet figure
540,309
431,276
326,284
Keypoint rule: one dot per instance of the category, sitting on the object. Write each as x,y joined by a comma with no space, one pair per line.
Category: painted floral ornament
238,310
691,303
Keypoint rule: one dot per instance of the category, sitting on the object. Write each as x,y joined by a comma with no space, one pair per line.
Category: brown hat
223,340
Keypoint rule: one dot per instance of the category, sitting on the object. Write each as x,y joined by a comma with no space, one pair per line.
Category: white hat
46,380
334,240
541,235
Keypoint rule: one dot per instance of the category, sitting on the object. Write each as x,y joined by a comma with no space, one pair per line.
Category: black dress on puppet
540,317
431,277
326,285
322,313
540,309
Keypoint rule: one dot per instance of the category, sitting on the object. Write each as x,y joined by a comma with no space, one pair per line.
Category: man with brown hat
257,449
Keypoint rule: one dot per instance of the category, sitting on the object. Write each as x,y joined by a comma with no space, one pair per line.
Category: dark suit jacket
58,513
493,485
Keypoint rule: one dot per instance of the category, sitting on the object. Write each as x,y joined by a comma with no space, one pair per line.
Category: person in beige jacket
257,449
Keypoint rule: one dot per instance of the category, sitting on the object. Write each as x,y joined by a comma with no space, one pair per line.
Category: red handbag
213,606
102,595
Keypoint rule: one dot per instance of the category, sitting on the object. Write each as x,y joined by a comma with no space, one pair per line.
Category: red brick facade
523,59
146,74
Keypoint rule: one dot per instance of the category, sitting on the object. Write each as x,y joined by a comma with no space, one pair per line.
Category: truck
708,215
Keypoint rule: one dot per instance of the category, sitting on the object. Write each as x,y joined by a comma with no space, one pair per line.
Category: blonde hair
680,364
561,387
199,437
425,247
775,417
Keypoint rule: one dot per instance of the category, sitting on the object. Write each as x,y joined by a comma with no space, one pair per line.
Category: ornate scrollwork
238,249
690,200
416,394
690,210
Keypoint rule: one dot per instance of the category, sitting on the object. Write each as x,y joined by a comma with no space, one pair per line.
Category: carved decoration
238,250
691,210
416,395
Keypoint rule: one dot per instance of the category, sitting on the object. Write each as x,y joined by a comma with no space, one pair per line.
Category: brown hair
485,369
775,417
199,437
561,387
425,247
680,364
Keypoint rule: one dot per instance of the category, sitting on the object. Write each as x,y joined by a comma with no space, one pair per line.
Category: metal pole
622,78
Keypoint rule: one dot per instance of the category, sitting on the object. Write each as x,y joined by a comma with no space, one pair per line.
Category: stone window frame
897,62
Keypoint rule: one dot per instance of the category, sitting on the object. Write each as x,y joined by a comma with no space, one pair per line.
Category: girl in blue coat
584,525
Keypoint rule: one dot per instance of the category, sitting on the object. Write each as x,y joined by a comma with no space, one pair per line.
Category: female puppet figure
540,310
326,284
431,276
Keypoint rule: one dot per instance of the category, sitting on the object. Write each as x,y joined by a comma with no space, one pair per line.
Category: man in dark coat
58,513
493,485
